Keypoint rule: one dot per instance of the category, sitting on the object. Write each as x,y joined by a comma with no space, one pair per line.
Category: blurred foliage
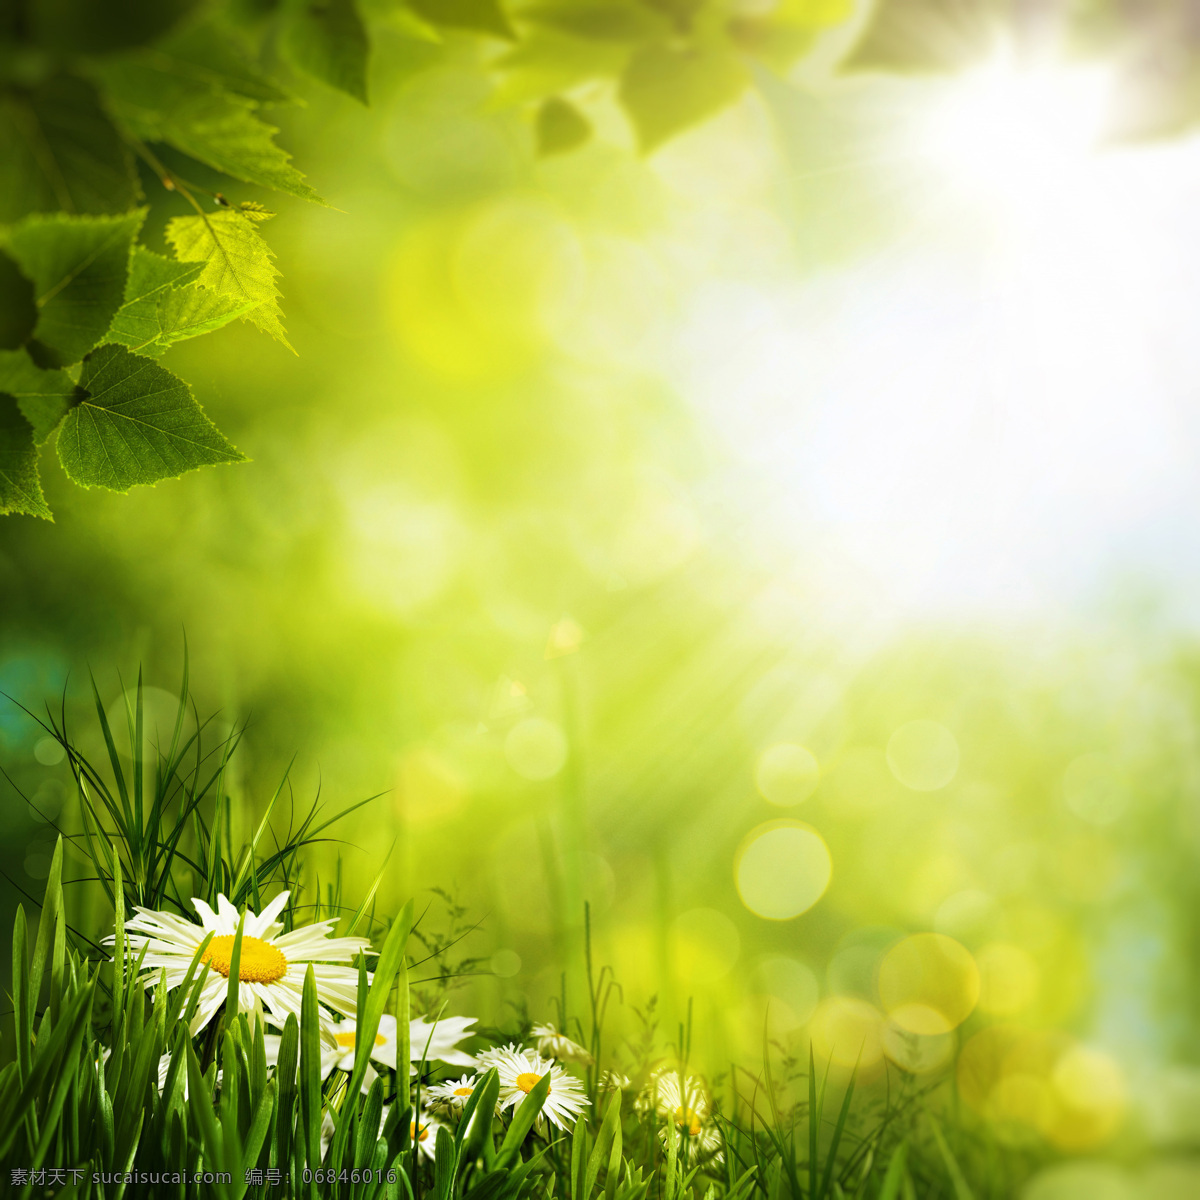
491,558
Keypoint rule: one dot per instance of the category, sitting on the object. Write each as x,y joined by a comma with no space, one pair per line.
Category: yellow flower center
464,1091
527,1081
260,962
687,1121
346,1039
419,1137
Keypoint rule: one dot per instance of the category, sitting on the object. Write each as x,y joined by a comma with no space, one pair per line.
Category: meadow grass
110,1088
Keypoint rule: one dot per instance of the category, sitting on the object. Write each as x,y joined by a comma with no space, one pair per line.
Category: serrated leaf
20,488
137,424
18,308
238,262
60,152
666,90
78,266
560,127
43,396
188,312
150,275
207,122
485,16
327,38
930,35
211,56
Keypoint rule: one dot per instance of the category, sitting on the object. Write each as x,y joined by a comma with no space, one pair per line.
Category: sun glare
1020,136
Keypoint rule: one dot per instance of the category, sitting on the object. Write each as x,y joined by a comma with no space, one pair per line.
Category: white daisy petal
208,918
520,1071
259,926
271,967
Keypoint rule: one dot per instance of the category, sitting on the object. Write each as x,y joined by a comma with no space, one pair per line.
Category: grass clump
217,1043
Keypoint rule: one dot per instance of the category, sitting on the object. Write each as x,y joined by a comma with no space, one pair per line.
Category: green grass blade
962,1190
310,1071
285,1075
522,1122
894,1176
51,905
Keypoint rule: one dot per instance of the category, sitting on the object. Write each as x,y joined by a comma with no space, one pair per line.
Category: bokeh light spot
787,774
917,1053
1009,979
929,983
505,963
923,755
704,945
536,748
48,751
782,869
847,1032
789,982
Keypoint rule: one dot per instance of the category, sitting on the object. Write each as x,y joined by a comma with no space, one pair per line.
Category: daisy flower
614,1081
271,967
520,1071
452,1094
696,1139
435,1041
667,1095
557,1045
685,1104
425,1138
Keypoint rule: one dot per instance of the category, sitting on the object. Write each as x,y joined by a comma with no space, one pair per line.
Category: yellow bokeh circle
929,983
1009,979
782,869
919,1054
847,1032
923,755
1043,1084
536,748
787,774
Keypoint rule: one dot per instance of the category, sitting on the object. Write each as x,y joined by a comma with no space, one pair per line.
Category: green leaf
18,310
78,266
544,63
560,127
522,1122
150,276
20,488
203,120
327,38
60,152
890,1189
666,90
188,312
929,35
238,262
788,30
43,396
137,424
207,54
484,16
309,1132
88,27
624,21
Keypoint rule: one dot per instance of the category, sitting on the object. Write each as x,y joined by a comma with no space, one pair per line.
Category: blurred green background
683,534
